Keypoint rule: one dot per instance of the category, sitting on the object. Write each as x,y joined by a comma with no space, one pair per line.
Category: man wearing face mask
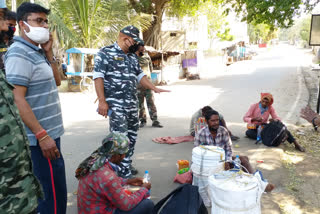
19,187
11,19
6,36
116,75
31,67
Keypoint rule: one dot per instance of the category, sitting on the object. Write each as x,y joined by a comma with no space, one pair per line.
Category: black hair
210,113
206,109
26,8
10,15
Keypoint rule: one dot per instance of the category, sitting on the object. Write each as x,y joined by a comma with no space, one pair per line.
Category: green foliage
225,36
92,23
275,13
217,24
259,32
299,31
305,29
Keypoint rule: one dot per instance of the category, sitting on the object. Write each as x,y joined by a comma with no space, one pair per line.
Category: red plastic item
259,161
128,192
53,187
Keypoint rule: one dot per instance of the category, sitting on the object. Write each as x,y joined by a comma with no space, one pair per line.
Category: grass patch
293,180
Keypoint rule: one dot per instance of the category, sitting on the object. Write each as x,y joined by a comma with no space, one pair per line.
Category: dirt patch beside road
302,186
301,192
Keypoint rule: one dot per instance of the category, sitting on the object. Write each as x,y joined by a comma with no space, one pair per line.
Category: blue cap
133,32
3,4
237,156
146,171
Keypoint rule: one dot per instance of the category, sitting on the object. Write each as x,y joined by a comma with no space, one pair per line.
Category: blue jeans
42,171
144,207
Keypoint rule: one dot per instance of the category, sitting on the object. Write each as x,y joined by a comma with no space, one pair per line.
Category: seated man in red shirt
100,190
258,114
216,135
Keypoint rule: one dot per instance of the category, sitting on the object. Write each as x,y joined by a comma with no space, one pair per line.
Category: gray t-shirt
26,65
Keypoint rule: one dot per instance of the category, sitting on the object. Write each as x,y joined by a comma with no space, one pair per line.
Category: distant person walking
145,63
116,75
33,71
19,188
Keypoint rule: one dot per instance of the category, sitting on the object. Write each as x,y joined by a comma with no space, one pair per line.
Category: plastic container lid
146,172
208,154
231,182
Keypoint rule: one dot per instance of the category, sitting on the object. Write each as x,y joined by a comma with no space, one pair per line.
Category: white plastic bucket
233,193
207,160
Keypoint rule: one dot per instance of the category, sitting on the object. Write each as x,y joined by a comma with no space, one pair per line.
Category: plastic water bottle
259,133
237,163
146,179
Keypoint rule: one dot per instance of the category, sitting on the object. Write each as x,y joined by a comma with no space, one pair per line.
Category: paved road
230,92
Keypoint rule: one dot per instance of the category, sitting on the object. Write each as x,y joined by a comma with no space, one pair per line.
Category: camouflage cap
114,143
133,32
119,143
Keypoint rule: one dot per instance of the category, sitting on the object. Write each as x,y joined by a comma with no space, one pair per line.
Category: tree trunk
152,36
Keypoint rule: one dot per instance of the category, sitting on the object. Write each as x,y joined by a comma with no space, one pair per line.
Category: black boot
156,124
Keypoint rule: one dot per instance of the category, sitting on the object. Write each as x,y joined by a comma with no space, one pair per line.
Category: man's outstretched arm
145,82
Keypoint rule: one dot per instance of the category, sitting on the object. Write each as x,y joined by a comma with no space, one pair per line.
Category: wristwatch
314,125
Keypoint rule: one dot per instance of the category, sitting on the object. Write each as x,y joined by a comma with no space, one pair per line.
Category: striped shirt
26,65
222,140
121,73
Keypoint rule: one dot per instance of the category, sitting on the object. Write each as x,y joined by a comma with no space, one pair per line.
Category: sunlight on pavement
290,207
77,107
269,167
184,100
291,159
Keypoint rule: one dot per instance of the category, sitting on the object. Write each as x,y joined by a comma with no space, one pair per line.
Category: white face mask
37,34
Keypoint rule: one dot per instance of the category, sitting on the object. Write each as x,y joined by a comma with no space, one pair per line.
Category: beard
213,129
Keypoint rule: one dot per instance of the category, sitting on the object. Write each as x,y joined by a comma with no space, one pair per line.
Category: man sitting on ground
100,190
258,114
216,135
200,114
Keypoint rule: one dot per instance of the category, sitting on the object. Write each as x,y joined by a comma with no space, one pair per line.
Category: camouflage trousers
148,95
125,120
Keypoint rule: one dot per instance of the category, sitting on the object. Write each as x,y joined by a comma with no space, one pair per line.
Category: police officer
116,75
19,187
145,63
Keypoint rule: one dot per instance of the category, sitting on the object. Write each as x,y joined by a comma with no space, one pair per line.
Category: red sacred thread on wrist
41,134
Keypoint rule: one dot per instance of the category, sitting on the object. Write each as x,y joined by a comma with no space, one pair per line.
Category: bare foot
299,148
269,187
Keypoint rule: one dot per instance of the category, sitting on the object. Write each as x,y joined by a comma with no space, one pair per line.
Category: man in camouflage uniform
19,188
145,63
116,74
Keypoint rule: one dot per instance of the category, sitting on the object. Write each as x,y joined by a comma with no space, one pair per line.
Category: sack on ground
183,200
274,133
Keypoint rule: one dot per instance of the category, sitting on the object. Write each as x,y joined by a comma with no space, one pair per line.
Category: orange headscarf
267,96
